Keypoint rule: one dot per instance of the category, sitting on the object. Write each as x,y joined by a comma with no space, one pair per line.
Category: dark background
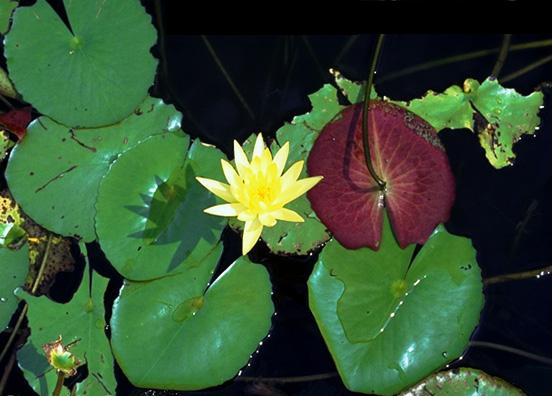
505,212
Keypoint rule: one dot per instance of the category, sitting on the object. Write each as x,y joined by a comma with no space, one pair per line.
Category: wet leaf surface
509,116
463,382
389,323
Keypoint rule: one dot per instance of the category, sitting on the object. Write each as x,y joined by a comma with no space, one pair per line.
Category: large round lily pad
54,173
14,265
463,382
389,323
179,333
95,71
406,153
150,207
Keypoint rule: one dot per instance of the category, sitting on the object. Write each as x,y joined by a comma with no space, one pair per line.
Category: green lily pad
287,238
6,9
352,90
150,207
6,87
450,109
94,72
389,324
463,382
5,144
82,318
181,333
509,116
14,265
54,173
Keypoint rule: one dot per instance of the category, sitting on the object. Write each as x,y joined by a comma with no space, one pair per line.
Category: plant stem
7,370
460,58
502,55
518,276
289,380
348,44
6,102
164,76
310,50
42,265
527,69
14,331
59,383
227,77
23,312
365,110
505,348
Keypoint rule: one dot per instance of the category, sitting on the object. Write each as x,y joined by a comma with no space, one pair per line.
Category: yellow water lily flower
258,190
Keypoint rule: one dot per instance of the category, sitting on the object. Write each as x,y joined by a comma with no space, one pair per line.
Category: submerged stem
7,370
516,351
288,380
527,69
462,57
503,54
227,77
365,138
518,275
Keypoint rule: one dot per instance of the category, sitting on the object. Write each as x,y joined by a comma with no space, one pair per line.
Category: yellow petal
221,190
292,174
287,215
246,215
297,189
240,159
227,210
259,146
251,233
230,173
281,157
267,219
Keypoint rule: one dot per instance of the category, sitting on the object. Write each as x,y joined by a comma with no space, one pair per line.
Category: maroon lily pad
16,121
406,153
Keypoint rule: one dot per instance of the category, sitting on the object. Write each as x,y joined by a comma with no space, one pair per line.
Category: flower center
264,193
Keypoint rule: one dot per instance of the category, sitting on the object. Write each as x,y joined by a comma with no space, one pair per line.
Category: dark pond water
506,213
